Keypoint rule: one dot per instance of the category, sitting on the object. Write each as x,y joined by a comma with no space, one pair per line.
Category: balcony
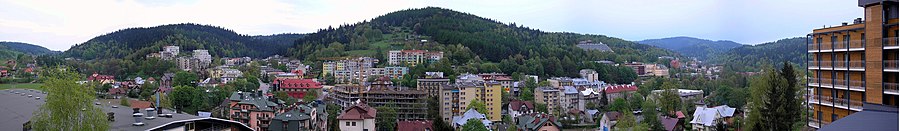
839,103
815,123
890,88
857,45
891,65
890,43
264,118
837,65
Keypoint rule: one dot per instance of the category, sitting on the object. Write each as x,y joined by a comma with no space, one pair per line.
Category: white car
37,98
29,96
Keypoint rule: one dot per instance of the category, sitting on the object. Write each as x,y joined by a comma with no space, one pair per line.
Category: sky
58,25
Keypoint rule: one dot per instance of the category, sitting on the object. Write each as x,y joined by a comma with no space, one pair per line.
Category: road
263,86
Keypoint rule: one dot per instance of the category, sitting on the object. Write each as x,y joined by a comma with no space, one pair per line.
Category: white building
413,57
203,56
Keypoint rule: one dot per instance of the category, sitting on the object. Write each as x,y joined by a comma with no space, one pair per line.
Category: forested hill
456,33
750,57
25,48
693,47
134,43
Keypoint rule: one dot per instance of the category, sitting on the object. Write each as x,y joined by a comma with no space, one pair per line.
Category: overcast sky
59,24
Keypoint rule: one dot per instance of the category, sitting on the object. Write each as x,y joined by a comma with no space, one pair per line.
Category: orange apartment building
852,64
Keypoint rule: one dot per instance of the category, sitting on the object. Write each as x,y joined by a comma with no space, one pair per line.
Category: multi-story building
505,80
394,72
296,88
852,64
349,70
309,117
560,82
549,96
589,74
251,109
455,97
203,56
614,92
413,57
432,82
409,104
169,52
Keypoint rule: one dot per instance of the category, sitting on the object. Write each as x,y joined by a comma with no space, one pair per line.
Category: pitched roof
295,114
620,88
292,83
516,105
140,104
359,111
535,121
470,114
725,111
414,125
612,115
668,123
705,116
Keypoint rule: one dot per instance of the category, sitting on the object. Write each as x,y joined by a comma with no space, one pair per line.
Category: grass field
35,86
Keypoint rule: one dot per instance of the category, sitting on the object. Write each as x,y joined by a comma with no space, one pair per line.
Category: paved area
16,109
263,86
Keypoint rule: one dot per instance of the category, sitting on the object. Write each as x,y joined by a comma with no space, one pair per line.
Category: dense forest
471,43
135,43
693,47
25,48
751,57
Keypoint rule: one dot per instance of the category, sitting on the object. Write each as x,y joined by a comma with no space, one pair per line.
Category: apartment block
549,96
432,82
349,70
413,57
251,109
410,104
853,64
455,97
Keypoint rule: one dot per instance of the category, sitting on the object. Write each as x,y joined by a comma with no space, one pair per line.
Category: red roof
140,104
116,91
517,104
620,88
414,126
28,70
96,76
679,114
359,111
291,83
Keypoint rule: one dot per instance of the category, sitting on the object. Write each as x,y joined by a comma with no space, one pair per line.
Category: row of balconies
889,65
837,83
816,123
843,103
888,43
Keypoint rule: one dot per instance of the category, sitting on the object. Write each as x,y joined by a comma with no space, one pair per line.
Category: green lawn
35,86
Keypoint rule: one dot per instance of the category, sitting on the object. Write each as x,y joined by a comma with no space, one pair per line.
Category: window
354,123
348,123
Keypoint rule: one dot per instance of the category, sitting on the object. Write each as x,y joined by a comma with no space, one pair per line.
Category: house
517,108
117,92
670,124
359,117
300,118
537,122
459,121
209,82
415,125
619,91
707,118
103,79
608,120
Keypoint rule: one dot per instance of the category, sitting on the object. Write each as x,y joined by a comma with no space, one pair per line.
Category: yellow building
852,64
455,97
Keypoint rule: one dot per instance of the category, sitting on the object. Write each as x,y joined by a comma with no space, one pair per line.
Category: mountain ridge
693,47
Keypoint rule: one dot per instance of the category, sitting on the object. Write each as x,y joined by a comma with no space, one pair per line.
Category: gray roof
260,102
872,118
15,116
470,114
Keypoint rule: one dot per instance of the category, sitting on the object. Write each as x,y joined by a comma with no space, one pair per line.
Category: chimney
844,23
150,114
137,119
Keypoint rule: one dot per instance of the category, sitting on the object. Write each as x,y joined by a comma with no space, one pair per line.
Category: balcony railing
858,85
890,65
812,47
813,64
813,122
890,87
812,81
857,44
852,104
890,42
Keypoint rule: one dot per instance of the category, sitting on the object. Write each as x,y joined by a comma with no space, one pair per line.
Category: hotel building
853,64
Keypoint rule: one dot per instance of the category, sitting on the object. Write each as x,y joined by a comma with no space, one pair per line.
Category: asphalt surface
16,109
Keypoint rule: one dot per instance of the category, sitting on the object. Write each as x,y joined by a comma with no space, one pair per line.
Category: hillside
749,57
134,43
693,47
26,48
466,38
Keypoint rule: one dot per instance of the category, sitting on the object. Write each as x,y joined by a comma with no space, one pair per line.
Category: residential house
549,96
537,122
102,79
608,120
359,117
517,107
413,57
460,121
707,118
311,116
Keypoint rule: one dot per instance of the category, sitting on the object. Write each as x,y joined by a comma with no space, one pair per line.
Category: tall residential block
853,64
